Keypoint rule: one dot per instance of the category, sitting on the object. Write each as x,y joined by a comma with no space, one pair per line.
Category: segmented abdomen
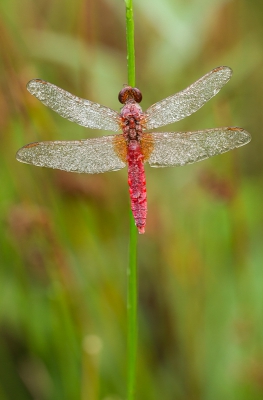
137,184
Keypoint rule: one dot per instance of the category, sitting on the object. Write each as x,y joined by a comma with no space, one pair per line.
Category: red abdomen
137,184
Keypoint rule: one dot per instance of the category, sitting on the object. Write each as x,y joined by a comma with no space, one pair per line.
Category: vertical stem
130,42
132,310
132,270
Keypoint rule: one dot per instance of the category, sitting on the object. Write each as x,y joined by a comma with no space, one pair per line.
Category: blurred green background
64,237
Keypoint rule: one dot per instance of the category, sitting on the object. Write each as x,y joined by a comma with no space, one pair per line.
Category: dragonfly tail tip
141,229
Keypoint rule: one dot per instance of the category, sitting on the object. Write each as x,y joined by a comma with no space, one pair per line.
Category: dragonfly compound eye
130,93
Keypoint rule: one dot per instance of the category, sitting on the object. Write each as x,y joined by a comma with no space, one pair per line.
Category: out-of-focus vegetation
64,236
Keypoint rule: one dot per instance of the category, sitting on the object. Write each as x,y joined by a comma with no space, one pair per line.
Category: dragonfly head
130,94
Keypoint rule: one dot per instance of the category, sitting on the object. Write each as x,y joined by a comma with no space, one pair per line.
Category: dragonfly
135,145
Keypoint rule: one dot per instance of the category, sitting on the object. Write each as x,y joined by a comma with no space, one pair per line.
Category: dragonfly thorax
132,116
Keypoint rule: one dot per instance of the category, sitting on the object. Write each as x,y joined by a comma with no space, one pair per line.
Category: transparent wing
91,155
181,148
81,111
186,102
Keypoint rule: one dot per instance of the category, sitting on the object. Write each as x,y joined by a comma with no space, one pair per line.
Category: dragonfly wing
92,156
189,100
181,148
75,109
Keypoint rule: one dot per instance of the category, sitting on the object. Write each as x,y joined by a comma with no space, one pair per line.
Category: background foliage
64,236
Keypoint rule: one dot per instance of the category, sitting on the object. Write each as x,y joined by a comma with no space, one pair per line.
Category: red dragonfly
134,146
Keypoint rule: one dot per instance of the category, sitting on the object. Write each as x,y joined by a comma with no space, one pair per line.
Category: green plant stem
132,310
132,270
130,42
